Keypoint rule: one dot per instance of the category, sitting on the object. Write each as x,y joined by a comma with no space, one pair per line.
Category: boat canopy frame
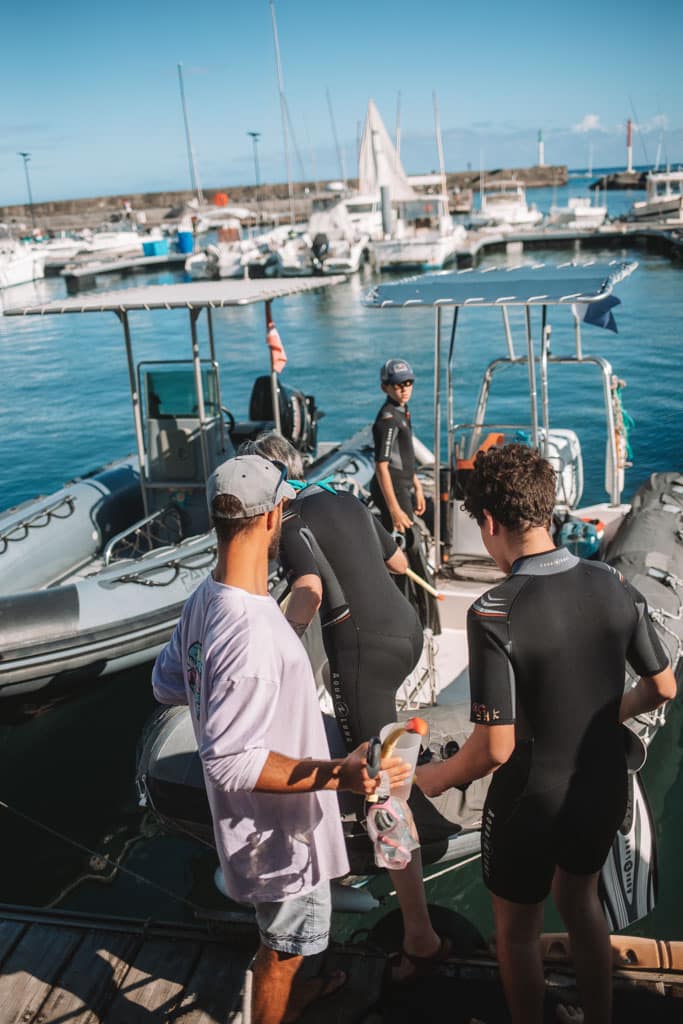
193,297
525,286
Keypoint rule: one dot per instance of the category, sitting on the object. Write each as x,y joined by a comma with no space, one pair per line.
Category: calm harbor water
69,767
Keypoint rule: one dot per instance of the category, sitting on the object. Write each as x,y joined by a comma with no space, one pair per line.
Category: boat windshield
422,209
169,390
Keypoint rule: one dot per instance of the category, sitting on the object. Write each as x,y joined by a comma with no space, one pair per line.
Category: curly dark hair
515,484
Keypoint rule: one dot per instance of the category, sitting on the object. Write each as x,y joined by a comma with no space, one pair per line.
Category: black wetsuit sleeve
492,679
645,653
385,431
297,558
386,541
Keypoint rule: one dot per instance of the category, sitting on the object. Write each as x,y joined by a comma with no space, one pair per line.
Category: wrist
335,780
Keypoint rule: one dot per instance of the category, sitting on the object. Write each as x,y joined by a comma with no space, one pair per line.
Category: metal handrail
137,528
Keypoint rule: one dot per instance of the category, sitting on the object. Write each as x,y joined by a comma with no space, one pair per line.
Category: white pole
398,128
194,177
283,113
439,146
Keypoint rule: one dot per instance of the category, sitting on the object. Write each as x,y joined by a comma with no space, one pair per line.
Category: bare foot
569,1014
310,991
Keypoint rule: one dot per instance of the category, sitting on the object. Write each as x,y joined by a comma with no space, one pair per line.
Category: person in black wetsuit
548,648
336,555
395,488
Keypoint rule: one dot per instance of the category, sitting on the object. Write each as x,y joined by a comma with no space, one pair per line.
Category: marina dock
57,966
661,238
80,276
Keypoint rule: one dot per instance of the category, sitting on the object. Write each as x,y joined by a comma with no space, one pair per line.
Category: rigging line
446,871
93,853
640,134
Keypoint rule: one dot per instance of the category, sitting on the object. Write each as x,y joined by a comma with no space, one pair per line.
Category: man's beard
274,546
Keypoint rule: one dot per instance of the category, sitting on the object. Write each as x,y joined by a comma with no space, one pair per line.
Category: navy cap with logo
396,371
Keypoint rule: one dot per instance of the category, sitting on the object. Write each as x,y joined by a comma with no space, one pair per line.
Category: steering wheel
229,418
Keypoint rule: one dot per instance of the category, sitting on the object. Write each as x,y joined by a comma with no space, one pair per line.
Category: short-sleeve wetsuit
548,648
372,635
393,436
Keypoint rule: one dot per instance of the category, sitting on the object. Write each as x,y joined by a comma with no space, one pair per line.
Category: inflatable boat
644,541
93,577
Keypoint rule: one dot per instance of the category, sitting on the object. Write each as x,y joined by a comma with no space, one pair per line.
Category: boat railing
614,462
62,508
156,530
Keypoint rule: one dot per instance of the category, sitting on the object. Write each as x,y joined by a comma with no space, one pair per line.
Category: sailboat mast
340,155
439,146
283,113
194,177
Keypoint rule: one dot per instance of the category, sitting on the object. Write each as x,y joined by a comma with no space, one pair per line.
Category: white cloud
658,123
589,123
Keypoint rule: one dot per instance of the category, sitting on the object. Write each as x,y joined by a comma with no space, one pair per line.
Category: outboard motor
299,414
319,248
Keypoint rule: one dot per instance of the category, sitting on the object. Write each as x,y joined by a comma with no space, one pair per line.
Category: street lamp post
26,157
255,136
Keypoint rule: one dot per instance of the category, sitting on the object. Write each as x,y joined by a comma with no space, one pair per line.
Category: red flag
278,356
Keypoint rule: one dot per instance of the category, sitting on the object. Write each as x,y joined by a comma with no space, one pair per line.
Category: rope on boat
101,857
143,577
623,422
38,521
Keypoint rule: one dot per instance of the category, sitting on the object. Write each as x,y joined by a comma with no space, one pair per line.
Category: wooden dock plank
213,990
154,985
10,933
32,969
91,978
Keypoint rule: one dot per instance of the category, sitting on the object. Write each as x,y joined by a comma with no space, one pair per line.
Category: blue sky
91,89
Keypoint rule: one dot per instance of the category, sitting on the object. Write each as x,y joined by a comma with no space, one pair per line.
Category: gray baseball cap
396,371
257,482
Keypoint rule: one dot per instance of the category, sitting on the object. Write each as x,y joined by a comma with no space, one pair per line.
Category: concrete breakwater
66,214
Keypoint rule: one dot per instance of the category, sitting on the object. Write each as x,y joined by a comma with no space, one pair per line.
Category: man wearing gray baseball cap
271,785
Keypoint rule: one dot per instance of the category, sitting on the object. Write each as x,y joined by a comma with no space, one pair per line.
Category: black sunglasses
282,477
405,384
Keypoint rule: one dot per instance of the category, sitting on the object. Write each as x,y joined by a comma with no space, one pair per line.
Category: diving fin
628,881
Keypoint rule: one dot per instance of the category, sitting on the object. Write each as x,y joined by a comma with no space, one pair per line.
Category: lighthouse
541,150
629,146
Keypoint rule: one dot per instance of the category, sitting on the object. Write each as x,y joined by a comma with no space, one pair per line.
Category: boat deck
58,967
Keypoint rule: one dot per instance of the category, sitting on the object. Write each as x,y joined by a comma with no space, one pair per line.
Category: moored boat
94,576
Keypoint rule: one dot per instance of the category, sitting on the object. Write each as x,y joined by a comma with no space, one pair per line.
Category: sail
378,162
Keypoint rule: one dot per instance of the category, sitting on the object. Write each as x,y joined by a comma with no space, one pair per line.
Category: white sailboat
418,231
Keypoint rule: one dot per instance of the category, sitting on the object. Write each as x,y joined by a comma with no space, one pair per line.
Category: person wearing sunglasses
395,488
270,782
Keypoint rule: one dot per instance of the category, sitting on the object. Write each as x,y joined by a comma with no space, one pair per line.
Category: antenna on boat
439,146
284,114
194,177
340,154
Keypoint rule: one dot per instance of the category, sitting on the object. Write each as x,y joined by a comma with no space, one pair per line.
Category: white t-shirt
248,681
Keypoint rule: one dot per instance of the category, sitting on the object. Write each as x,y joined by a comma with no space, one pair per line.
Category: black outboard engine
299,414
320,248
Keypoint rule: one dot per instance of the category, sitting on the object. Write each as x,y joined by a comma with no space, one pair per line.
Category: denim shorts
300,925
